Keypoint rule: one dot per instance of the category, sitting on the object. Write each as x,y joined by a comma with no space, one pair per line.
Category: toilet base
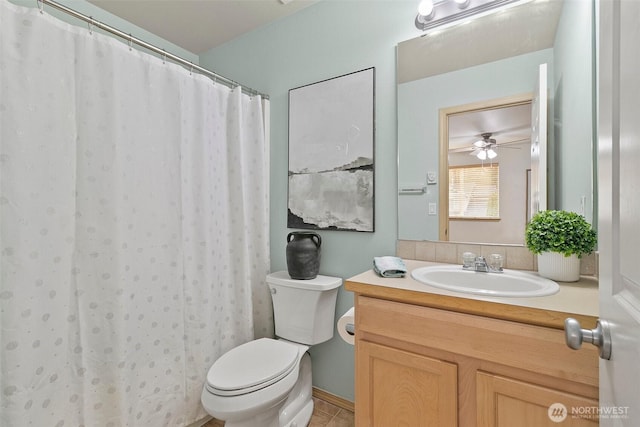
268,418
297,410
302,418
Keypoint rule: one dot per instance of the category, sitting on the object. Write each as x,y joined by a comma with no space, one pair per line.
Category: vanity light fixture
425,9
440,13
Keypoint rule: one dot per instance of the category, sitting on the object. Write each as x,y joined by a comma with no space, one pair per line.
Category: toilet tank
304,310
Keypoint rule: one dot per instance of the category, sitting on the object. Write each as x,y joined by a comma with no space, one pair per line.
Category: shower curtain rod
188,64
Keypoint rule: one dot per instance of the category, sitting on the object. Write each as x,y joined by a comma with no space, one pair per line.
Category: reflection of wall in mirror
419,103
573,98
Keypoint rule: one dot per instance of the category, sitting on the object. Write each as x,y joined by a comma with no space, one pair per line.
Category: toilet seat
251,366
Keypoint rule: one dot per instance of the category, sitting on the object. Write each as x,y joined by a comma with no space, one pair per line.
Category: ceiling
201,25
507,125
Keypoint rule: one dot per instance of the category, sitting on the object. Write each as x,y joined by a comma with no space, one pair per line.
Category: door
404,389
619,204
502,401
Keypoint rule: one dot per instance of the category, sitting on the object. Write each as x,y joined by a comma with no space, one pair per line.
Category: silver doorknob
600,336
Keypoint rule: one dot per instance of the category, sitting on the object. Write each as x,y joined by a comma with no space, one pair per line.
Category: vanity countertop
577,299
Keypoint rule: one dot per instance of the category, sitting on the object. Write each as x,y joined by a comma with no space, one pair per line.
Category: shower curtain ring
191,69
130,42
90,25
40,6
164,56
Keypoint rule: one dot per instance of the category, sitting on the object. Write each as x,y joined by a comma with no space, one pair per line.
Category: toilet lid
251,366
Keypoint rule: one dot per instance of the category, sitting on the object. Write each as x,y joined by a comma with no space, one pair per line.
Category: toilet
267,382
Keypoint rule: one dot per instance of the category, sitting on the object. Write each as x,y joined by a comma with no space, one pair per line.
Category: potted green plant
560,238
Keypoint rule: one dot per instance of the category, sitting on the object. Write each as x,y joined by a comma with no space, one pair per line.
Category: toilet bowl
267,382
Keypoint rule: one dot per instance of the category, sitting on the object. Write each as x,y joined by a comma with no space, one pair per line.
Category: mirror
491,58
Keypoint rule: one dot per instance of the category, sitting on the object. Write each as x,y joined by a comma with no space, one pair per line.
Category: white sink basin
510,283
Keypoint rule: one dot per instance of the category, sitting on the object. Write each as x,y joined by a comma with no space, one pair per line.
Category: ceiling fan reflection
487,147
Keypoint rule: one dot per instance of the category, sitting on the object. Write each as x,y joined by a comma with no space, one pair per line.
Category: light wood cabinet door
399,388
506,402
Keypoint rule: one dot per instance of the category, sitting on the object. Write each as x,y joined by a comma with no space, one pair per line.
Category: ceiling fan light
491,154
482,155
479,143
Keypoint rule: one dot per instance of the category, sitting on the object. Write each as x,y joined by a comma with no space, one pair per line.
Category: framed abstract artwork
331,147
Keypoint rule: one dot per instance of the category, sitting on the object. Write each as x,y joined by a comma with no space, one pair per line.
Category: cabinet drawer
532,348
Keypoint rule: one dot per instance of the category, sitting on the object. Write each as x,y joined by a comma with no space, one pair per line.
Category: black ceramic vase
303,254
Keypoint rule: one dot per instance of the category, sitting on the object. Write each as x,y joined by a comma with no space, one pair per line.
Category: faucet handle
495,262
468,260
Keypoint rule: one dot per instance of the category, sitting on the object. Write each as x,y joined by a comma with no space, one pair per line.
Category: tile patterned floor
324,415
327,415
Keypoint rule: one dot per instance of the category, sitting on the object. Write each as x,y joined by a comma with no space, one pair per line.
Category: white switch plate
431,178
432,208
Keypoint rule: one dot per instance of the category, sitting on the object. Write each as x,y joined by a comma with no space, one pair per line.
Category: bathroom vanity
430,357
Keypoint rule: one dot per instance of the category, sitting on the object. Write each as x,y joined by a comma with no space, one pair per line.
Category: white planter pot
556,266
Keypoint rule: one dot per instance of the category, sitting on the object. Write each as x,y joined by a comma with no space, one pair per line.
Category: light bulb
491,154
425,8
482,155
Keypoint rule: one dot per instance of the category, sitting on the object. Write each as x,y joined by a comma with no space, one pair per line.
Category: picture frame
331,154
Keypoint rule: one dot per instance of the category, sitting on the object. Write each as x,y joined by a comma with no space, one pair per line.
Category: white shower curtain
133,228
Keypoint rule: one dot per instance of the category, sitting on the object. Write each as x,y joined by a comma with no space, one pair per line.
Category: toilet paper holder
347,326
350,328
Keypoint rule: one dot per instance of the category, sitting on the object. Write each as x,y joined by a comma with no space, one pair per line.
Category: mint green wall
325,40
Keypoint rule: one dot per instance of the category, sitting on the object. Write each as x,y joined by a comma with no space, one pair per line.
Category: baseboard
338,401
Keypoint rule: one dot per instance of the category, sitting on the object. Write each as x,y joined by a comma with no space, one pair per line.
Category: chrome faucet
481,265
